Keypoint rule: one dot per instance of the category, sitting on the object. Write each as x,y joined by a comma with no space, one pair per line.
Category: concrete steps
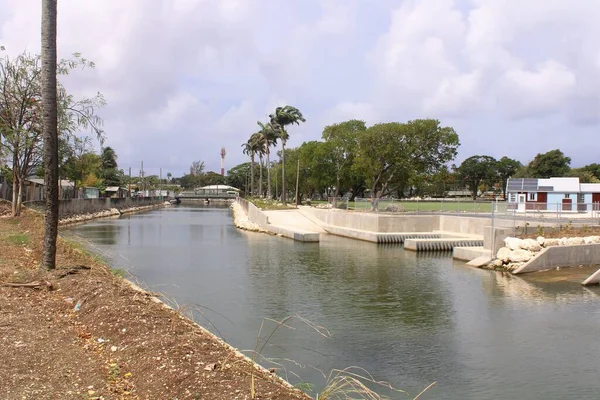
441,244
402,237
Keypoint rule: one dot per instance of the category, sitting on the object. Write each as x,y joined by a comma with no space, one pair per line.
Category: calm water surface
407,319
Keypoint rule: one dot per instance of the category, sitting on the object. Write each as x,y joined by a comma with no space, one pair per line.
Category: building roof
112,189
559,185
220,187
39,181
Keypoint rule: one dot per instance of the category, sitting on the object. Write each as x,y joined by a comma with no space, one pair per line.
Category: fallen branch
28,285
73,271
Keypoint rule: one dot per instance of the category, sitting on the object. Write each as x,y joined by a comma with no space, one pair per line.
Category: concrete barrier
562,256
256,216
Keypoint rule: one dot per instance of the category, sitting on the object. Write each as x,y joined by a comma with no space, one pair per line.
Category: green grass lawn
427,206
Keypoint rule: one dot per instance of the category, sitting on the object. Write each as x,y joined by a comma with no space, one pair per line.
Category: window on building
581,198
567,195
513,198
532,196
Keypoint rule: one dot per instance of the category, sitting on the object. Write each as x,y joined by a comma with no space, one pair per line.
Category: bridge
215,192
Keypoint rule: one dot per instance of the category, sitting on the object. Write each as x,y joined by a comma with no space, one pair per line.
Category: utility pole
160,183
297,181
143,183
129,184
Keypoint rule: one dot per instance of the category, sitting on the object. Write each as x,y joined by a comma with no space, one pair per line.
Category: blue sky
184,77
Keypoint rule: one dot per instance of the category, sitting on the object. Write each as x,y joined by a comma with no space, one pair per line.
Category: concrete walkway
293,220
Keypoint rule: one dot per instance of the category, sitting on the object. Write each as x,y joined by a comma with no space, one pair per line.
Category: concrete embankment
286,223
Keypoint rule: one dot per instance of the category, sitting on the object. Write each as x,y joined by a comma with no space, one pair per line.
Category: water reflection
408,318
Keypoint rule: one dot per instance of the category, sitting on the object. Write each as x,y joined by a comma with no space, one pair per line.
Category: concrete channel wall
72,207
562,256
376,222
254,214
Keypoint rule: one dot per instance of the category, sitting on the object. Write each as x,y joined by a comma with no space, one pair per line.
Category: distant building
115,192
33,189
552,194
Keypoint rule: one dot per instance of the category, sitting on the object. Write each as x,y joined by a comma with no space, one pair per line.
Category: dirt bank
93,336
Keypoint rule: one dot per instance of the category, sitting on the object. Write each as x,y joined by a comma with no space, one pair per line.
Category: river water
407,319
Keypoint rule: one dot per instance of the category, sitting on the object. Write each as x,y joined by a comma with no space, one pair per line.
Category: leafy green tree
21,114
551,164
584,175
594,169
212,178
506,168
389,151
109,168
343,138
283,117
477,169
238,177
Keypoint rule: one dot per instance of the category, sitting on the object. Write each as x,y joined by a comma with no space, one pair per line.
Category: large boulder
503,254
520,255
591,239
512,243
551,242
530,245
575,240
541,240
513,266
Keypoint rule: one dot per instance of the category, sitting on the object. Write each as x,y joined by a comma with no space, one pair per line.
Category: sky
182,78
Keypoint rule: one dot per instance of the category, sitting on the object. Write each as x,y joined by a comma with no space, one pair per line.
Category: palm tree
283,117
50,132
268,138
251,148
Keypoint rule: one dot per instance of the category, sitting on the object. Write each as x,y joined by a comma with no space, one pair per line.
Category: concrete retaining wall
254,214
72,207
375,222
562,256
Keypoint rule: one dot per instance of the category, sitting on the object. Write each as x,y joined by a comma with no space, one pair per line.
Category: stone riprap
516,252
241,221
113,212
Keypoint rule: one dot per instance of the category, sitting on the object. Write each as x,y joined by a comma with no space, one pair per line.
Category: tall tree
477,169
268,138
197,168
344,140
50,130
21,115
393,152
109,168
551,164
283,117
507,167
252,148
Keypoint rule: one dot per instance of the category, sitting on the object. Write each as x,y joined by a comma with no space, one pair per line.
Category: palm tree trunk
252,175
50,130
283,193
269,195
260,180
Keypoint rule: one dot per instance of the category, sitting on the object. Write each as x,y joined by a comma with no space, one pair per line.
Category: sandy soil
90,335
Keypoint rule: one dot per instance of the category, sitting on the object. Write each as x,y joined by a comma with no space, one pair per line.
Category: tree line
21,121
386,159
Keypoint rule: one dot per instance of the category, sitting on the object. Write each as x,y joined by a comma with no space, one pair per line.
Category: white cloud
183,77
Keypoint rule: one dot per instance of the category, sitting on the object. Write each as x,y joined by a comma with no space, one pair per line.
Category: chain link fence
521,216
